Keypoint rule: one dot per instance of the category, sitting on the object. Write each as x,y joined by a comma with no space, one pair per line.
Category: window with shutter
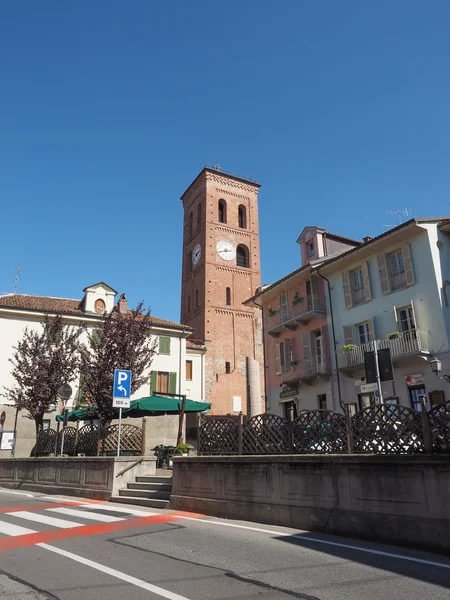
153,382
356,277
409,272
347,289
189,370
396,270
164,345
384,277
366,280
284,309
163,382
172,383
348,334
306,346
287,346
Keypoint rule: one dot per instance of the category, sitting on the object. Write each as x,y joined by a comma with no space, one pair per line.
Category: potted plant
182,449
272,311
297,299
394,335
348,347
294,363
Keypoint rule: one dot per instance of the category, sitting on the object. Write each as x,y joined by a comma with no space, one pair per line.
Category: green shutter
164,345
172,383
153,381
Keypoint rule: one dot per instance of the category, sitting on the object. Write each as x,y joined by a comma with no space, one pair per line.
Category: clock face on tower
226,250
196,253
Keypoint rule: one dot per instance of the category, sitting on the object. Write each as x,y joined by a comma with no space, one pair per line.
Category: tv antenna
17,281
401,214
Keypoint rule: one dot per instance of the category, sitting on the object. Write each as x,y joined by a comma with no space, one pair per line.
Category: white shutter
306,344
277,359
384,275
366,280
314,292
395,317
414,315
284,309
407,261
287,355
347,289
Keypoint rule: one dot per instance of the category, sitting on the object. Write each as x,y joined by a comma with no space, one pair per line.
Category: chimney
367,239
122,304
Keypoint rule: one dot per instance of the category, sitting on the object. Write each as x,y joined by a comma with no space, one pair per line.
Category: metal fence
90,440
378,429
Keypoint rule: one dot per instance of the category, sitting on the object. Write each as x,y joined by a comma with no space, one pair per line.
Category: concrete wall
395,499
85,477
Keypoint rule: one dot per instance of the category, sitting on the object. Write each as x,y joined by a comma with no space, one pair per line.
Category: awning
143,407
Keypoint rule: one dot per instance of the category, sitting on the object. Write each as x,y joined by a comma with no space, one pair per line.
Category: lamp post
436,367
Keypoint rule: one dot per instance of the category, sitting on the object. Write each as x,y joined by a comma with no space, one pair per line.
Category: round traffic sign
64,391
2,418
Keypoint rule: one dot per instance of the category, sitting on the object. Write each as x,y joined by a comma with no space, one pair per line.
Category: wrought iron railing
381,429
311,303
305,369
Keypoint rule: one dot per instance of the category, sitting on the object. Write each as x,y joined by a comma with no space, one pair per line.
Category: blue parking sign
122,384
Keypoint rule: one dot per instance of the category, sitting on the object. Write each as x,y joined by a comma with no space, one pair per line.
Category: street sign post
2,424
121,396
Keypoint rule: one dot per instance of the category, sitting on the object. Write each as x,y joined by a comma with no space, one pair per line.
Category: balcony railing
304,370
295,314
406,343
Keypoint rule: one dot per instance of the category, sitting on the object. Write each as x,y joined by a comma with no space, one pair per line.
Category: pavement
59,548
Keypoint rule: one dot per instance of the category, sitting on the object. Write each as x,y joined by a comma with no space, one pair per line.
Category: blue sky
109,109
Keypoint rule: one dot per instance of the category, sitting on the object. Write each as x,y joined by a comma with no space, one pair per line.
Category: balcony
305,371
295,315
405,344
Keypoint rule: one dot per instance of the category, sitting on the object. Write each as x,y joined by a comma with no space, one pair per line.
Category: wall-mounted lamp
436,367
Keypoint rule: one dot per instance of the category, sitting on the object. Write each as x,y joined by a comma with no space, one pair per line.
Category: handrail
130,467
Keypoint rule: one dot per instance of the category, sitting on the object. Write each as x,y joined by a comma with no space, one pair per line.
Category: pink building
298,365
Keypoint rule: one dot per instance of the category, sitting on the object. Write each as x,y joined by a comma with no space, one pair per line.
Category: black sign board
384,364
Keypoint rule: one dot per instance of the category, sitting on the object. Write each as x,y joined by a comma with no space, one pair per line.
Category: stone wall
88,477
395,499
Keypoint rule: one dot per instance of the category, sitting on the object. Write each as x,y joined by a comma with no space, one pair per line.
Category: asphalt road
67,549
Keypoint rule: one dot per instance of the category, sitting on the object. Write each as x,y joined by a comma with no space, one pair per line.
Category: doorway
436,397
414,396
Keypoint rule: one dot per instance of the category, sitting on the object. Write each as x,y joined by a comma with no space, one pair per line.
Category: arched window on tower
196,298
189,304
191,223
199,215
242,216
222,211
242,256
228,297
189,262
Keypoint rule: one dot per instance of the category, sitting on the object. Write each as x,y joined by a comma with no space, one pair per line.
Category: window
363,332
99,306
228,297
199,215
164,345
319,350
162,382
284,308
396,268
310,250
242,217
191,224
322,401
242,256
228,368
189,304
283,357
222,211
287,406
357,286
406,319
45,424
189,370
196,298
414,395
189,262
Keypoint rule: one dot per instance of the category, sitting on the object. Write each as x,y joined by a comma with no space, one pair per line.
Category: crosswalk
44,518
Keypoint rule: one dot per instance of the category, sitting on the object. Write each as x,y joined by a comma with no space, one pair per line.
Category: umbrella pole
180,423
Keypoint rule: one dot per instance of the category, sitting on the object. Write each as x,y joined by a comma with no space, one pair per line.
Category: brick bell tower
221,269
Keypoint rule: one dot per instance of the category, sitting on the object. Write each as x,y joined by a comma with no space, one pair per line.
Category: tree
42,362
121,341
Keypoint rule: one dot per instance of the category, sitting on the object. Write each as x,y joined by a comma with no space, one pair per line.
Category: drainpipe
264,351
334,339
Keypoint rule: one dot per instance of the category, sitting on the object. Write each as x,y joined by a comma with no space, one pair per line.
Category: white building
393,288
177,366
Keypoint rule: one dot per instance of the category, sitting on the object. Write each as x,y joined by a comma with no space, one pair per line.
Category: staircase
152,491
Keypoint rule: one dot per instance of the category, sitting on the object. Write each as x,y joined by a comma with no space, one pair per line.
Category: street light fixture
436,367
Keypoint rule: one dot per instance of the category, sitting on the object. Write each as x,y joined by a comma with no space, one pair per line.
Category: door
286,409
414,396
407,326
318,349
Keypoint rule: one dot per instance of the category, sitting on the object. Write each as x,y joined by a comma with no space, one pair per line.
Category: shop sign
288,392
416,379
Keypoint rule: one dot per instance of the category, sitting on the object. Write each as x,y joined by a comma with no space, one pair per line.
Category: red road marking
30,539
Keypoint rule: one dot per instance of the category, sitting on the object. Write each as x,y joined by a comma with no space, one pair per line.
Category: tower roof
219,171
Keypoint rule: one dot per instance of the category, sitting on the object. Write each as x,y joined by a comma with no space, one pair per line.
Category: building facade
296,332
220,270
176,368
393,289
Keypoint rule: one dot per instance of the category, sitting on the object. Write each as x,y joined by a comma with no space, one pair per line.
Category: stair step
154,479
140,501
159,487
145,494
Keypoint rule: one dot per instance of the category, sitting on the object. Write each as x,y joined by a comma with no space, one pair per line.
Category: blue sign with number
122,384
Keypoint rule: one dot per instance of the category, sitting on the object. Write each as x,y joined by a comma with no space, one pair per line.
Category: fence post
98,438
57,436
240,434
199,426
290,436
144,435
349,428
426,429
75,450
